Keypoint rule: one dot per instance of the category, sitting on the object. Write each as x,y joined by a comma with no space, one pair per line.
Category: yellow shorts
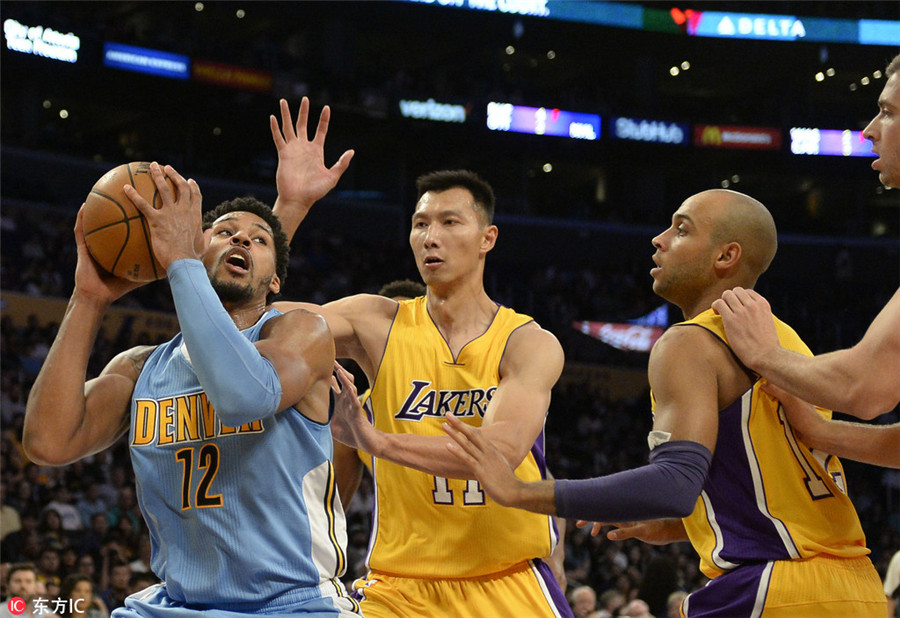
526,590
818,587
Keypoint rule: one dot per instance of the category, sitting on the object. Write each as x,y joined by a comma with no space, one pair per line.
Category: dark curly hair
264,212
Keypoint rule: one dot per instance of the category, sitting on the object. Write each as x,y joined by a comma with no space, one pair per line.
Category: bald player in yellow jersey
439,546
769,517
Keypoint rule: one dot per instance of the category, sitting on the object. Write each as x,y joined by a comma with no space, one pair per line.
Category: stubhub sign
655,131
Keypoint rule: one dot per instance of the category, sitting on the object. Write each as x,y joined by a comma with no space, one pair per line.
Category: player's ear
729,256
489,239
275,285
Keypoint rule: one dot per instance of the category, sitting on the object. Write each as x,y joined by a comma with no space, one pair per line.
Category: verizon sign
747,138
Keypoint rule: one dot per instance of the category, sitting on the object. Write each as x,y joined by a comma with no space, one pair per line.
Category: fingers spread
302,118
322,128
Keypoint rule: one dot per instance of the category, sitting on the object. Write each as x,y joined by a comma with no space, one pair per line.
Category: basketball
116,232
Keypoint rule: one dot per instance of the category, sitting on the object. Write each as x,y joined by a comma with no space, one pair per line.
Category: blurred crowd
83,519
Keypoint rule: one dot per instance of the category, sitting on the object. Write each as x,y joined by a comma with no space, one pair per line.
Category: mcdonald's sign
748,138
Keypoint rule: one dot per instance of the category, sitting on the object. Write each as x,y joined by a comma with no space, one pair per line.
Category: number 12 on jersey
208,461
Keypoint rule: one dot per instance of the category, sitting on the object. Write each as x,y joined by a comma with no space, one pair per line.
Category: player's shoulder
129,362
300,321
687,340
532,343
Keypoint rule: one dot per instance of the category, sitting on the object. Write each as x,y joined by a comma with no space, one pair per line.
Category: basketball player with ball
227,423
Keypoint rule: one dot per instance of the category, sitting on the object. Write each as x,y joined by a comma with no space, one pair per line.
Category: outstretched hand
302,177
349,424
485,460
91,281
749,325
653,532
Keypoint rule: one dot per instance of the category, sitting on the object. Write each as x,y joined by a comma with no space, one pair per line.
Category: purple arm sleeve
667,487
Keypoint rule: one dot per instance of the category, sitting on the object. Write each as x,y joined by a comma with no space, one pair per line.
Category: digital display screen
655,131
542,121
145,60
747,26
41,41
738,137
833,142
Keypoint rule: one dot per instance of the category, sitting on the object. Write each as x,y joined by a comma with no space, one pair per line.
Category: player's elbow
44,451
239,411
683,504
866,403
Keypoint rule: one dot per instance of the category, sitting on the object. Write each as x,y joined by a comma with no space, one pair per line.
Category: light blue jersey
245,519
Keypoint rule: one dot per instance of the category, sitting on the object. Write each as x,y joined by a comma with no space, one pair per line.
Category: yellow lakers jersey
430,526
768,496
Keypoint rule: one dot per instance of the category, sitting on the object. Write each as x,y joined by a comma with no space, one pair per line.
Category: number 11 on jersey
473,495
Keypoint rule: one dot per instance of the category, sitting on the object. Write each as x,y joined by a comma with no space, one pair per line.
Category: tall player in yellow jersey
439,546
770,518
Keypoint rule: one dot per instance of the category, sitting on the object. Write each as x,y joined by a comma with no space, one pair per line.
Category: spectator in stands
584,602
87,567
89,541
140,580
673,604
114,595
22,583
141,562
50,528
125,506
91,502
70,519
48,565
636,608
78,590
9,515
610,602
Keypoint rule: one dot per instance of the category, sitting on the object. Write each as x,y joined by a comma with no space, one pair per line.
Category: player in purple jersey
769,518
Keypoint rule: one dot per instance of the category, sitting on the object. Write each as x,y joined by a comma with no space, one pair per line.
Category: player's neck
695,306
245,316
460,308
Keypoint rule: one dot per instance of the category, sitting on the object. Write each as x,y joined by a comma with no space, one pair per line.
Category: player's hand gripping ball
116,233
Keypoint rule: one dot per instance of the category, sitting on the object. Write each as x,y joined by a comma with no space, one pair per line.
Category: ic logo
16,605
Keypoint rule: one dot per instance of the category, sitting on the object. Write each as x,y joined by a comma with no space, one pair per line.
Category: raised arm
861,380
302,177
359,325
66,418
512,422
